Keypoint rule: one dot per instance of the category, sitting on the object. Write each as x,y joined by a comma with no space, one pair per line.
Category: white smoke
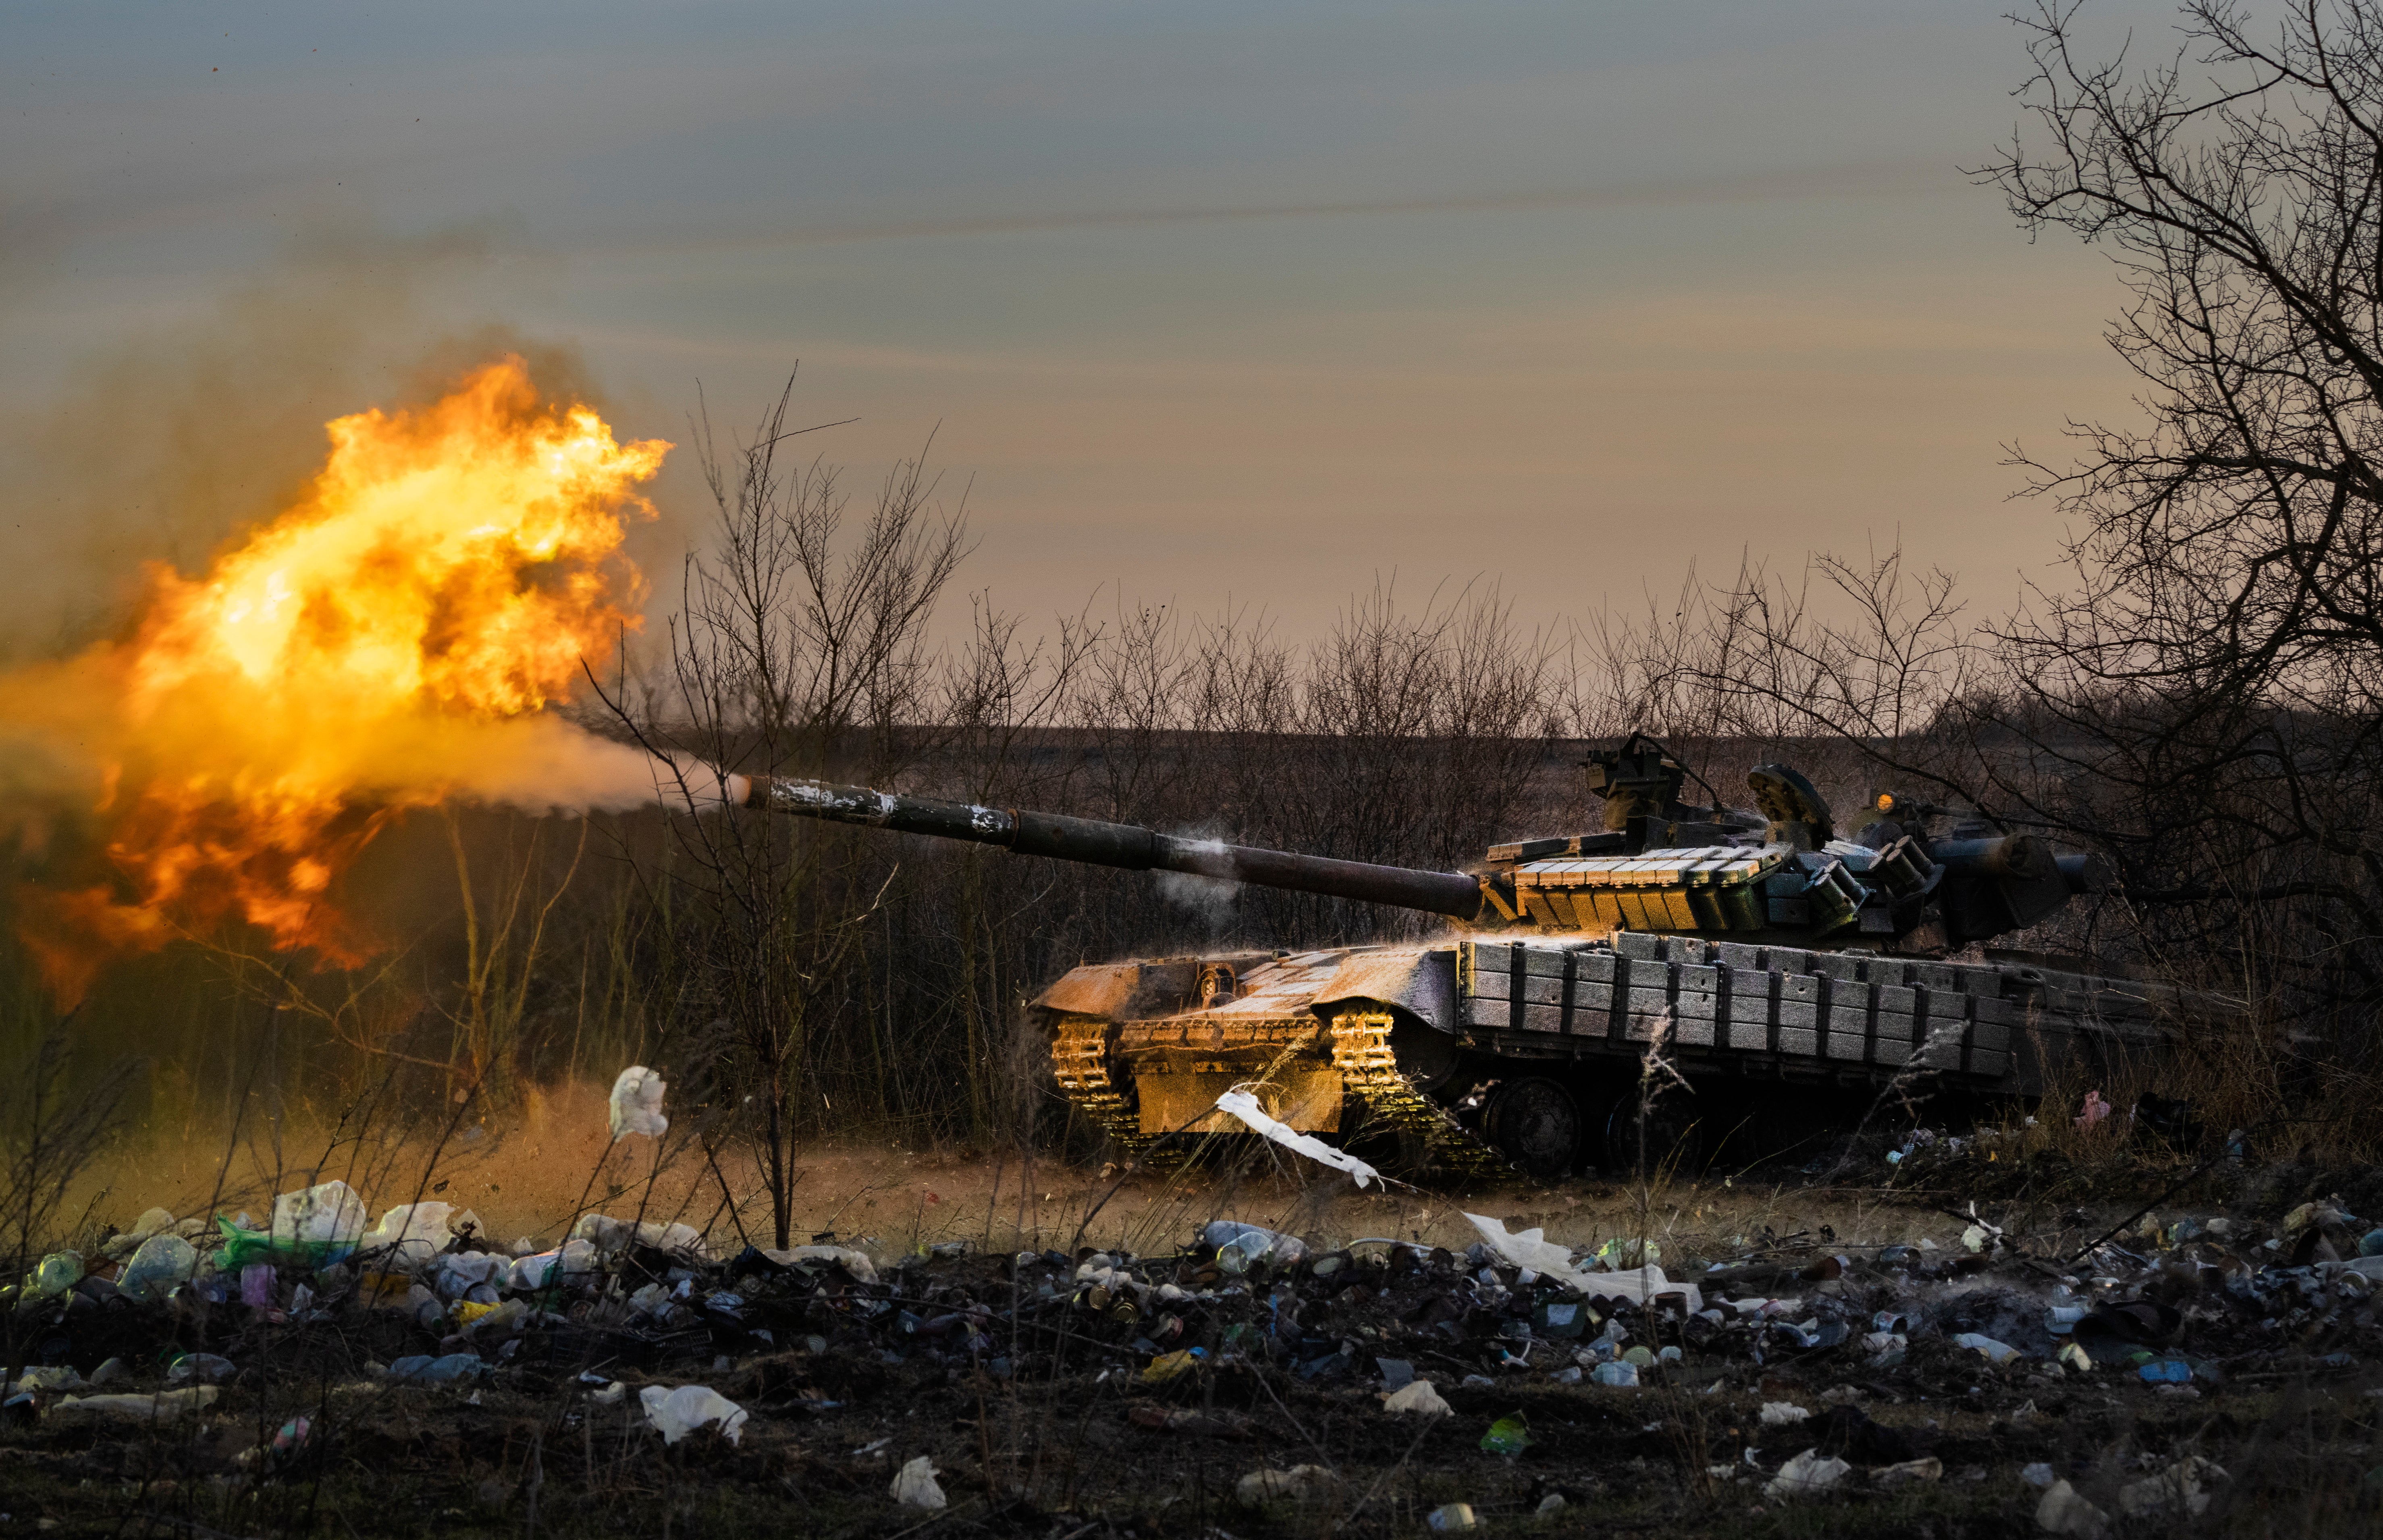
1211,900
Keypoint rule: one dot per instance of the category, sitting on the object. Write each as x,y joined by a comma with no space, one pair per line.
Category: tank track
1360,1051
1369,1070
1080,1062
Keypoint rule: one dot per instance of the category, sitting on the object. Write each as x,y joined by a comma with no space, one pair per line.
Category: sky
1200,304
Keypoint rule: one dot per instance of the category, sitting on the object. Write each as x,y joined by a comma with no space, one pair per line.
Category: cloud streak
1898,178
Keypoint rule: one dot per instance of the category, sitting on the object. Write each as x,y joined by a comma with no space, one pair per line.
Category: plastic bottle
1241,1247
162,1263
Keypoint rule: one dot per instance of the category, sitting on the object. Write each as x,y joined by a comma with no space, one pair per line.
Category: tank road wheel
1673,1140
1536,1124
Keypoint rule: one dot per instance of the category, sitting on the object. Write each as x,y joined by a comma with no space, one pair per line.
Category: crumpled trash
1242,1247
1807,1475
636,1104
2062,1511
1531,1249
410,1234
537,1269
1510,1435
1188,1420
57,1377
206,1368
2038,1474
1165,1366
158,1408
679,1412
1243,1105
1993,1351
610,1237
1301,1483
327,1216
162,1263
427,1370
460,1271
1418,1396
56,1273
855,1263
1616,1373
1907,1472
1781,1414
481,1321
2184,1485
915,1486
2092,1112
1454,1518
1621,1254
287,1440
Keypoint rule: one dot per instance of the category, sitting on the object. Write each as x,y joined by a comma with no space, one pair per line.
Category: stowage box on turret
1782,969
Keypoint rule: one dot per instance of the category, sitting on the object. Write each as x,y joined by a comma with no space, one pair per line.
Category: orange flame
390,641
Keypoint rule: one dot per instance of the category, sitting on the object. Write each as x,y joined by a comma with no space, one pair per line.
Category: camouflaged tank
1788,974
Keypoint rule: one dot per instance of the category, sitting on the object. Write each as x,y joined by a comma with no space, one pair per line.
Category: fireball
392,641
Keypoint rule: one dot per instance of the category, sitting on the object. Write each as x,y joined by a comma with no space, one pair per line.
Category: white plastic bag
610,1237
412,1234
1531,1249
1808,1475
915,1486
1241,1104
637,1104
1417,1396
679,1412
328,1214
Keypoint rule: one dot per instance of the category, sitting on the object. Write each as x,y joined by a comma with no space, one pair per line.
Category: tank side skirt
1787,1011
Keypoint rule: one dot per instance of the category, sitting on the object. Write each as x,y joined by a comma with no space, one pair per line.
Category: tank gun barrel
1130,847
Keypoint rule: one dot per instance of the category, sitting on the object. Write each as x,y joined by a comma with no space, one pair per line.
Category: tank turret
1775,873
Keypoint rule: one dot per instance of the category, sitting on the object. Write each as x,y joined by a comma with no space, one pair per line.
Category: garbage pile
2173,1303
174,1315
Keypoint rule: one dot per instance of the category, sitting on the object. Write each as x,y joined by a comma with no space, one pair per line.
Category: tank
1787,973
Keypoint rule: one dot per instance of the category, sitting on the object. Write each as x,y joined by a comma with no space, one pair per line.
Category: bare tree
2202,697
795,651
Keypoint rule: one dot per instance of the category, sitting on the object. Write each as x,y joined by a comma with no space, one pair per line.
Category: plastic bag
1241,1104
423,1369
411,1233
636,1104
1808,1475
1419,1396
611,1235
162,1263
915,1486
151,1222
58,1272
328,1214
677,1414
157,1408
1531,1249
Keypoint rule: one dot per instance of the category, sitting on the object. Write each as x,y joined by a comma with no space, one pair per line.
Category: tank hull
1476,1053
